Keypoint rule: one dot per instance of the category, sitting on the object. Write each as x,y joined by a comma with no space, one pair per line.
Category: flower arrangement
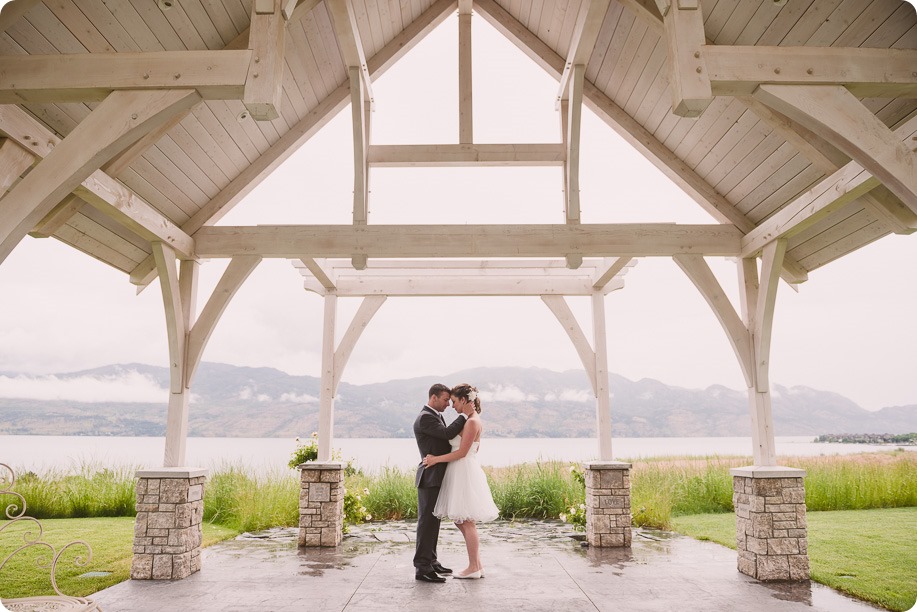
304,452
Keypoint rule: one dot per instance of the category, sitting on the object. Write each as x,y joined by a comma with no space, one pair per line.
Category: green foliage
354,510
534,490
112,549
866,553
392,495
238,500
92,491
304,451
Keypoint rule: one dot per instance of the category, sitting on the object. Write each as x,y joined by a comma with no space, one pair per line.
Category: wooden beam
836,114
630,130
118,121
14,160
457,155
264,81
350,45
465,101
315,267
572,140
696,268
99,189
613,267
585,33
367,310
612,240
85,77
865,72
238,270
688,76
602,386
558,305
481,286
771,255
360,146
175,322
316,119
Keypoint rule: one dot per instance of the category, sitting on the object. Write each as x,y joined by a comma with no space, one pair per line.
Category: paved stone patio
530,565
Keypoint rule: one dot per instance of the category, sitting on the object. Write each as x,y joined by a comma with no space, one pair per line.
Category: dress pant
427,530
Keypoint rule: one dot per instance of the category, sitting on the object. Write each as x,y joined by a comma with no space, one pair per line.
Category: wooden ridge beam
84,77
865,72
611,240
438,155
476,286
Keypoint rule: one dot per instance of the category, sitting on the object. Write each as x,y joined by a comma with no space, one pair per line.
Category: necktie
442,420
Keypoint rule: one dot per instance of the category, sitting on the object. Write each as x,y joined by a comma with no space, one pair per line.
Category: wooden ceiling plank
168,192
865,24
188,166
108,26
153,16
124,12
588,25
225,139
647,80
28,36
603,40
94,223
213,37
80,26
615,47
14,160
118,121
312,85
94,248
180,21
729,144
324,64
11,12
707,131
766,204
638,66
841,119
785,173
859,236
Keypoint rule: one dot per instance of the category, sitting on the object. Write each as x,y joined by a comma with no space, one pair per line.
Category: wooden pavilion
128,128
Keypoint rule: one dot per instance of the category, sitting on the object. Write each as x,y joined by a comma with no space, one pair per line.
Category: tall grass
660,490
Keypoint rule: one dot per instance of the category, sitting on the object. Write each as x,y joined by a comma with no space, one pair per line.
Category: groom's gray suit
433,437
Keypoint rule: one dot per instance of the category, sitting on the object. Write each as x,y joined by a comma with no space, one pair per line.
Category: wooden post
326,398
466,130
602,391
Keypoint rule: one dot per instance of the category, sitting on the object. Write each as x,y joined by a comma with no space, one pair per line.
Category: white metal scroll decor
15,514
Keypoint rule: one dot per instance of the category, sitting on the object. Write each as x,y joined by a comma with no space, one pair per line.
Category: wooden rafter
598,240
439,155
100,190
465,101
118,121
836,114
345,27
612,268
585,33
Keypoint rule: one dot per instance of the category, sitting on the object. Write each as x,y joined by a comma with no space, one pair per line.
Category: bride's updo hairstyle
466,391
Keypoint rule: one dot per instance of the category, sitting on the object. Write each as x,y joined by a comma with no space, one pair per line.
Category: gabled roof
747,159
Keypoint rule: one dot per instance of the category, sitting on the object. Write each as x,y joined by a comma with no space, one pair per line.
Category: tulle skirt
465,494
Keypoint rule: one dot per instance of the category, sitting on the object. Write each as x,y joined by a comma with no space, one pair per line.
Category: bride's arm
470,432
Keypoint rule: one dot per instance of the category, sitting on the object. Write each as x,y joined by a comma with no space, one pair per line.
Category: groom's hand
429,460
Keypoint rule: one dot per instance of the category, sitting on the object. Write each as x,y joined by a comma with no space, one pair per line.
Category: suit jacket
433,439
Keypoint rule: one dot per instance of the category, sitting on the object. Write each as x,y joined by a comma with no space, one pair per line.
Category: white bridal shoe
472,575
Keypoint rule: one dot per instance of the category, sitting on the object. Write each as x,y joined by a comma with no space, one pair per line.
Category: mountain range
231,401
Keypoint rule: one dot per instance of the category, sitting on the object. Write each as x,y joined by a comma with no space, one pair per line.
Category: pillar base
167,532
771,534
608,517
321,504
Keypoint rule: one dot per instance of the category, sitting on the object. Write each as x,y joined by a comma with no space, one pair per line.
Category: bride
465,495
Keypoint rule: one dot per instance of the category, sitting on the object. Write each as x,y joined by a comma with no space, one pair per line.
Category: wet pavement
531,565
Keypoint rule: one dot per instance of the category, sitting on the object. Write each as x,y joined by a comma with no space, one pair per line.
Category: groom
432,439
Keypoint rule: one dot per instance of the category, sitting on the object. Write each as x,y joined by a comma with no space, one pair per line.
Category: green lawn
111,540
870,554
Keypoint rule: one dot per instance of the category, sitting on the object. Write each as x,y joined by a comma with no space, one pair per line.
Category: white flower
369,517
572,468
297,439
563,517
582,506
365,491
572,510
472,395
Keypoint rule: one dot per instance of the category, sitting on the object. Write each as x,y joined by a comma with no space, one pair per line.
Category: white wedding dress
465,494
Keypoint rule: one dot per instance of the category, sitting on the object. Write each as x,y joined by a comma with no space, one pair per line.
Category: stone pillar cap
606,465
768,471
172,472
321,465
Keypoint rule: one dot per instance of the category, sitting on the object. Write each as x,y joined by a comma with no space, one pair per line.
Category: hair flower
472,395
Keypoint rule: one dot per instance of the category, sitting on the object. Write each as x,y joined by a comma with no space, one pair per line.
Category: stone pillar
608,515
771,536
167,533
321,503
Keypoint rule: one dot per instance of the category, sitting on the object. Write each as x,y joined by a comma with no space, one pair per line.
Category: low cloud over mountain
229,401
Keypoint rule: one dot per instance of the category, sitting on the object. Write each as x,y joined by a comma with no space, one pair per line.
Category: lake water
43,453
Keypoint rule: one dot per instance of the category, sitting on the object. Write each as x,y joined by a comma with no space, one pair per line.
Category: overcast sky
850,329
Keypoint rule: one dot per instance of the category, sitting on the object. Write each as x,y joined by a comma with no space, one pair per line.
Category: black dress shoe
439,569
429,577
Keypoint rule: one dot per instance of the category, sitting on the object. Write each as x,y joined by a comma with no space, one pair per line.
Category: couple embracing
450,482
